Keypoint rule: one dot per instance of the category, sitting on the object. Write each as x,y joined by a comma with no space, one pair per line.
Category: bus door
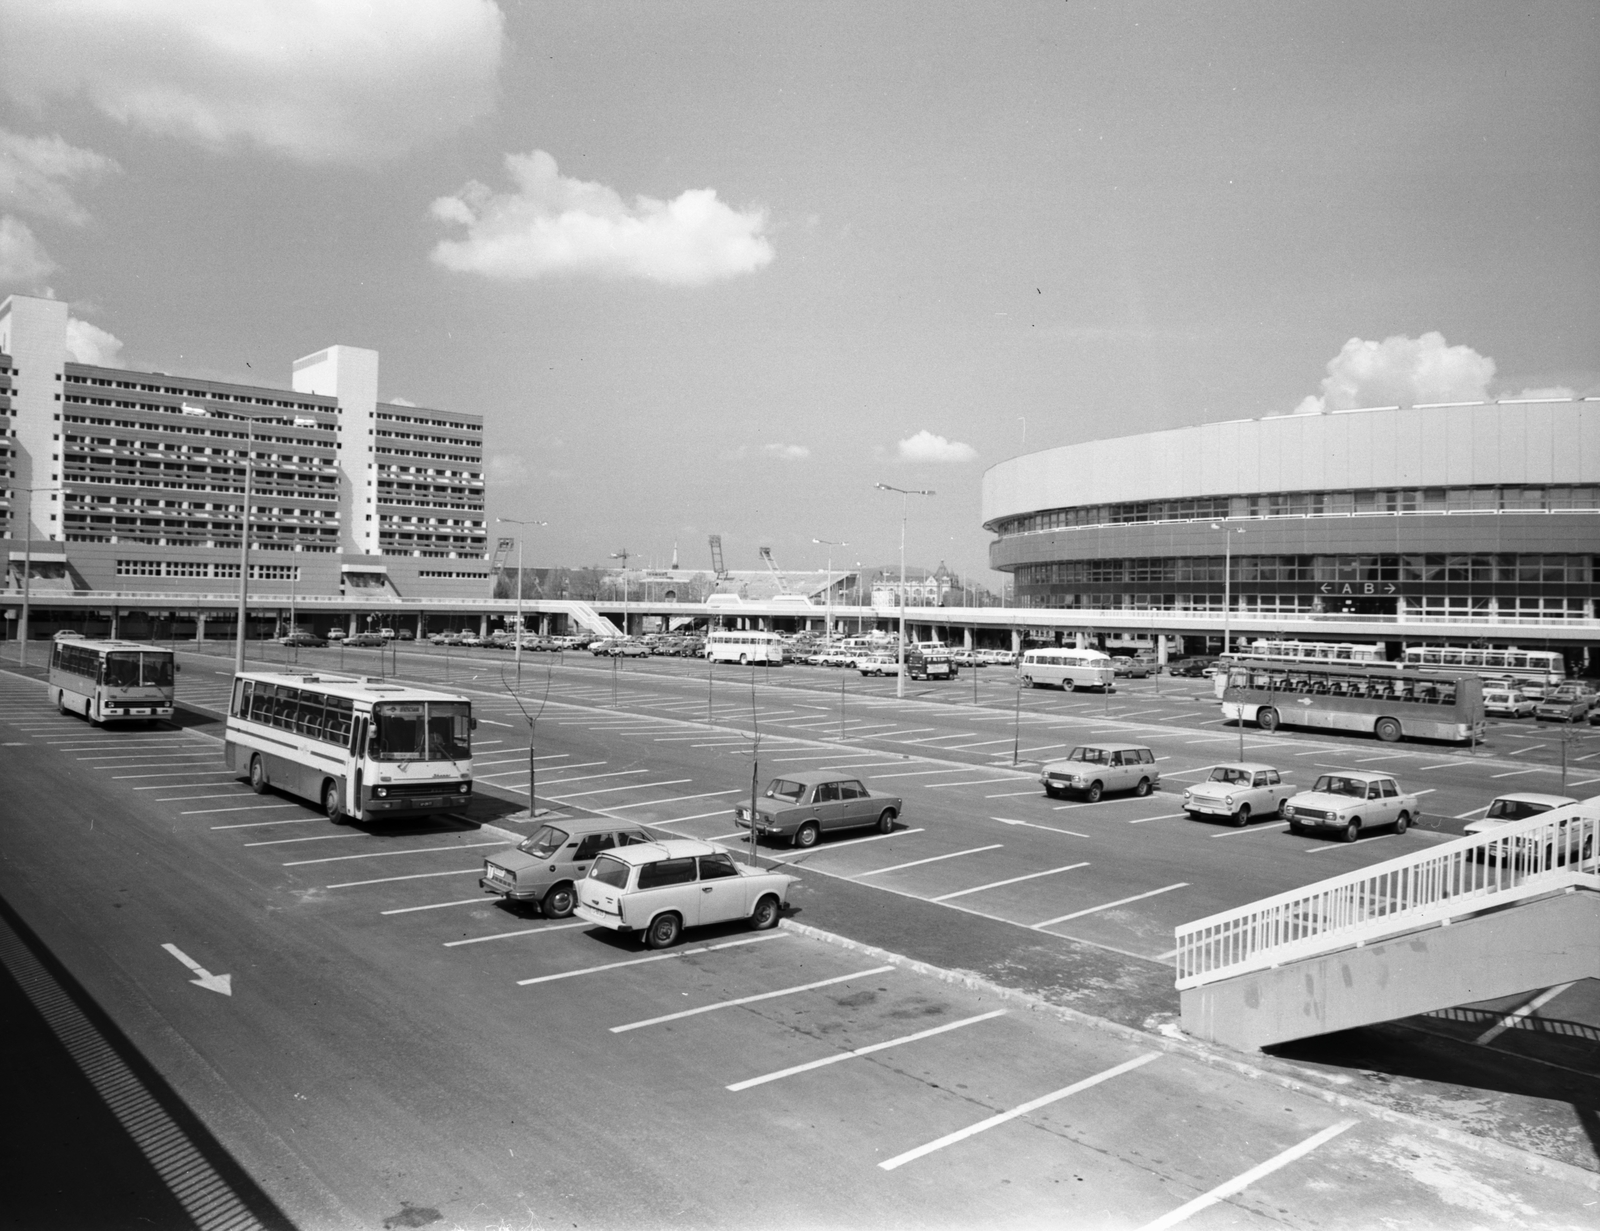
358,760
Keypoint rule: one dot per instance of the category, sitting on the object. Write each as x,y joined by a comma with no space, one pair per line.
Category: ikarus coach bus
364,749
111,681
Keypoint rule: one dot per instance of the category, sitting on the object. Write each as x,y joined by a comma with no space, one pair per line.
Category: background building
1484,511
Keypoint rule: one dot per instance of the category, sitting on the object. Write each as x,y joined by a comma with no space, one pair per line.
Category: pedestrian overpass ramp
581,614
1473,919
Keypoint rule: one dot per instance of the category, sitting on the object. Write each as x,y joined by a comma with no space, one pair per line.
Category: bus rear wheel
1267,718
1387,729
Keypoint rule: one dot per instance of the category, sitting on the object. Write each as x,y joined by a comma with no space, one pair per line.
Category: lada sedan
801,807
1091,770
660,888
544,866
1238,790
1348,803
1566,703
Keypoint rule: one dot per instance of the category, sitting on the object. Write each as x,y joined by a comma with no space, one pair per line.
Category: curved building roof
1511,442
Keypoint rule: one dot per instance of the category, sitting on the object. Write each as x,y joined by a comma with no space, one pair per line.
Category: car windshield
783,788
1234,777
1338,784
1095,756
1514,809
609,871
544,843
422,731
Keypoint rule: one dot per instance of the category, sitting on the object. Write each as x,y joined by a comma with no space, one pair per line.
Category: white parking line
299,820
728,1004
1165,816
865,1051
655,957
549,927
1078,914
476,870
914,773
416,850
246,808
1241,1182
839,846
406,910
980,744
934,786
698,816
174,799
961,893
1249,829
899,1160
616,773
609,790
186,773
1013,794
1517,773
917,863
1005,820
674,799
1461,816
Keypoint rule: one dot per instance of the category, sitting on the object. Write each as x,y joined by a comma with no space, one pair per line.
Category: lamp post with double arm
515,521
905,495
828,640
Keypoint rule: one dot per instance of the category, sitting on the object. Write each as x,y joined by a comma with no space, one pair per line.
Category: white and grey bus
747,645
1068,668
363,749
1532,667
111,681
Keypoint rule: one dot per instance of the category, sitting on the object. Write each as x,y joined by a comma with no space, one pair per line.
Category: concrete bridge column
1082,640
1016,641
1161,652
354,628
199,627
483,626
966,637
116,624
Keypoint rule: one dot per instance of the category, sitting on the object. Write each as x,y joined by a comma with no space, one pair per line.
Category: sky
720,268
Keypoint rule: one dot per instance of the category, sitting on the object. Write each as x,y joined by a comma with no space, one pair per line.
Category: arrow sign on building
207,980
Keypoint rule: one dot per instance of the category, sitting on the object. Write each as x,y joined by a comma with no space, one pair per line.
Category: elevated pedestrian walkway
1473,919
583,615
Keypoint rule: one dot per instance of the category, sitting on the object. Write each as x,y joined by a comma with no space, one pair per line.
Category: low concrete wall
1521,948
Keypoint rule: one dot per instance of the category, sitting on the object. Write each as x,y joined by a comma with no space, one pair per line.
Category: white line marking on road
1241,1182
1249,829
655,957
900,1160
1013,794
674,799
176,799
728,1004
865,1051
1516,1017
698,816
551,927
610,790
1165,816
406,910
914,773
1005,820
1517,752
321,837
980,744
616,773
415,876
934,786
1517,773
417,850
299,820
961,893
186,773
1339,846
1078,914
917,863
839,846
246,808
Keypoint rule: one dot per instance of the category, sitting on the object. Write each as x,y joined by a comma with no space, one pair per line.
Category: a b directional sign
1358,587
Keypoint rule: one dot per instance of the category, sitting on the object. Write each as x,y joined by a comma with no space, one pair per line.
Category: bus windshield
422,731
129,669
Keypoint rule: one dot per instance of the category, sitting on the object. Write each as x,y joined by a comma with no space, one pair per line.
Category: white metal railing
1517,860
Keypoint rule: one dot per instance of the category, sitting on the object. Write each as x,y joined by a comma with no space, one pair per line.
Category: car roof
1364,775
1115,747
1534,797
1255,767
812,776
588,824
667,848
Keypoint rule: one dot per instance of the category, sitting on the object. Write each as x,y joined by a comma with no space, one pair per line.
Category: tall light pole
623,556
244,542
519,522
905,495
830,546
1227,574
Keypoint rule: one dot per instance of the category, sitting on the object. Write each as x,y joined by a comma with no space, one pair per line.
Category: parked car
965,658
1132,668
336,634
302,637
1518,806
925,661
1091,770
471,640
69,634
386,633
445,638
801,807
1569,702
1192,667
1350,802
1507,702
365,639
1239,791
878,664
601,648
545,866
405,634
660,888
630,649
998,658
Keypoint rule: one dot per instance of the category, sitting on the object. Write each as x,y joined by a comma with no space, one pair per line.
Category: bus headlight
464,788
382,792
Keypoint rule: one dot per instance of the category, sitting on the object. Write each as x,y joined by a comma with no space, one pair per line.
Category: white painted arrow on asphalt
207,980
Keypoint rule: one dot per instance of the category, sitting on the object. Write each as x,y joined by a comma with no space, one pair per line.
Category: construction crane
716,558
783,586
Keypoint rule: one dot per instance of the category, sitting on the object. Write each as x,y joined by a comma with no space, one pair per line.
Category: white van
1067,668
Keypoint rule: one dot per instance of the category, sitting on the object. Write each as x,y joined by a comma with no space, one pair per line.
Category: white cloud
35,172
315,80
401,402
1547,393
789,453
926,447
23,260
553,224
1401,371
88,343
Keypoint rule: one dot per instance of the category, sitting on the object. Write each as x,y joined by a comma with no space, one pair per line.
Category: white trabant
1350,802
660,888
1238,790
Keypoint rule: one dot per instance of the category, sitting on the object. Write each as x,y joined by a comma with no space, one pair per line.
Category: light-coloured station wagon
1091,770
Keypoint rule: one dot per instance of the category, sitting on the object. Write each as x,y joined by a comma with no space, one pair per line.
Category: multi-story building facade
135,482
1484,513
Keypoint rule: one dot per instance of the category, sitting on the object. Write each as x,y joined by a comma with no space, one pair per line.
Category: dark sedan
306,639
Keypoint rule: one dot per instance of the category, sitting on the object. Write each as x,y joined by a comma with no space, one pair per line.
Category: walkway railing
1516,861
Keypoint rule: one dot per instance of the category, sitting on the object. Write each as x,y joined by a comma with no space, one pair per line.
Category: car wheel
1352,831
1027,682
1094,792
806,836
1267,718
663,931
765,915
1143,788
1277,813
559,901
744,661
1402,823
332,804
1241,818
886,821
258,776
1387,729
61,703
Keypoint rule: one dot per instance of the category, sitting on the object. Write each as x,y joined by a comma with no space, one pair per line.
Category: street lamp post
623,556
905,494
519,522
1227,602
830,546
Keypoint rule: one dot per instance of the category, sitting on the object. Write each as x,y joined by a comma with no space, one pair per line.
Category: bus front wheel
1267,718
1387,729
258,776
332,803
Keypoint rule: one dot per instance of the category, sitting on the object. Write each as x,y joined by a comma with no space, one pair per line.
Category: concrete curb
1536,1164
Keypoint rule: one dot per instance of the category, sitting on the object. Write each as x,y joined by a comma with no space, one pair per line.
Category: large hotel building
130,482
